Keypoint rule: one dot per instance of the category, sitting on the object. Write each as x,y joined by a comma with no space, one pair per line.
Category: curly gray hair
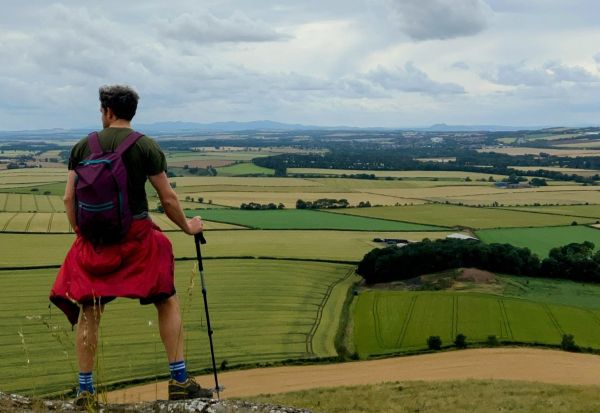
121,99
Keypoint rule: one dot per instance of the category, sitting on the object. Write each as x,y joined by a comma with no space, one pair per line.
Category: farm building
398,242
507,185
462,237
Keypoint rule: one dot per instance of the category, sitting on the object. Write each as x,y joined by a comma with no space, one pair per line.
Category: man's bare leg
171,332
87,335
171,327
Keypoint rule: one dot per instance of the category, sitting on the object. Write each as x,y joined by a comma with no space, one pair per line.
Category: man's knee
166,304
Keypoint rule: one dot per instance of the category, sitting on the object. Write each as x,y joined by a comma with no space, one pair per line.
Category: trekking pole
199,239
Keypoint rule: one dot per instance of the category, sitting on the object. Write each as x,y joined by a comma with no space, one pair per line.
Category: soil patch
475,275
526,364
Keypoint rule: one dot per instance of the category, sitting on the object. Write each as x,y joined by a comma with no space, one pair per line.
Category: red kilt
141,266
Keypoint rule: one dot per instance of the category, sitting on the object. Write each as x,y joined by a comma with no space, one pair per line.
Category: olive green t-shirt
143,159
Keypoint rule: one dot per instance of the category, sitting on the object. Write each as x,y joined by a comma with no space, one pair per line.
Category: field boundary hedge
240,257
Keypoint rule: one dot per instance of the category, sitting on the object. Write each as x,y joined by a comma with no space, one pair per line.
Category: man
141,265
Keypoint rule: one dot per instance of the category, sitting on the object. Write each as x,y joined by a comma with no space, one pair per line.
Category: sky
386,63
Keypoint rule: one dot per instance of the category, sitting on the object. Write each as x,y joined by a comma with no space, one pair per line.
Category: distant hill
169,127
442,127
180,127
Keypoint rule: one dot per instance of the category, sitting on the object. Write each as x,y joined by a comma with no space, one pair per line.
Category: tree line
403,159
576,261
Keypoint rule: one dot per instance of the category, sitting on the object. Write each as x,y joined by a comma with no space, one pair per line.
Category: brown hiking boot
189,389
85,401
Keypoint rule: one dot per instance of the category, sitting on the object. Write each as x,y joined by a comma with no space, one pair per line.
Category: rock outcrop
18,404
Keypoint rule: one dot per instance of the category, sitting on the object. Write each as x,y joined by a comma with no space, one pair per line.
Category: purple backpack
102,204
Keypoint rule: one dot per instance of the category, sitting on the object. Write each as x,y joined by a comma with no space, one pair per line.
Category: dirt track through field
546,366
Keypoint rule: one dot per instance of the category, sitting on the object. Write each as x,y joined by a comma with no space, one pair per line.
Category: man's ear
110,114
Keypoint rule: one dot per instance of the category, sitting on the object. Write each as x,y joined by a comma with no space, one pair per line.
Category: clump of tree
254,206
575,261
568,343
538,182
460,341
514,179
434,342
394,263
322,203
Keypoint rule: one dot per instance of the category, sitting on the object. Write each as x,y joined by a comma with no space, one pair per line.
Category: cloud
551,73
597,57
202,28
460,65
410,79
439,19
575,74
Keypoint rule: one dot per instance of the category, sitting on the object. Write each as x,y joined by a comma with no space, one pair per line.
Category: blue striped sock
86,382
178,371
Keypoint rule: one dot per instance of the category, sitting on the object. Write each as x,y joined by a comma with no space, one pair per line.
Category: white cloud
206,28
409,78
551,73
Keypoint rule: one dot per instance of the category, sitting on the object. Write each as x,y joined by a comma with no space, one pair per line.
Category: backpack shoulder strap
94,144
128,142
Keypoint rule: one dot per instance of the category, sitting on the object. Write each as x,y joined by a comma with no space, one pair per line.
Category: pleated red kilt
141,266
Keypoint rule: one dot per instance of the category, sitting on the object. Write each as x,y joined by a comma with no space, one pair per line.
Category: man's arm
170,202
69,200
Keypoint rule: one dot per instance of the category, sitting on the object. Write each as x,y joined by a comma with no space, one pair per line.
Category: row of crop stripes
34,222
30,203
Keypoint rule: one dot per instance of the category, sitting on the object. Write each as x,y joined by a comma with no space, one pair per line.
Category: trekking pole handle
199,237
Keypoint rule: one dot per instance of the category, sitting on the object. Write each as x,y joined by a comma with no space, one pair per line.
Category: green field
241,169
453,215
233,155
541,240
261,310
50,249
306,219
55,188
395,321
588,211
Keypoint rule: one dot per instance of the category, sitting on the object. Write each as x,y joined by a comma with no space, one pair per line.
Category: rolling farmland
454,215
278,279
321,245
